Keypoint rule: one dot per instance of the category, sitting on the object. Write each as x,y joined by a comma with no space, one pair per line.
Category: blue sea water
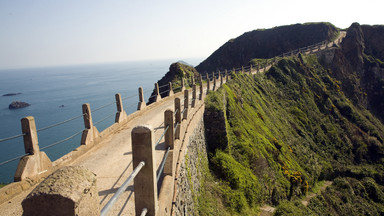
56,94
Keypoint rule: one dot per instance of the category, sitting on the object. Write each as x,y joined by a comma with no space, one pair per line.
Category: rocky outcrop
358,64
176,71
266,43
18,105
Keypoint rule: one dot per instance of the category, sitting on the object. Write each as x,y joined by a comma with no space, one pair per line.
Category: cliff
266,43
309,119
177,71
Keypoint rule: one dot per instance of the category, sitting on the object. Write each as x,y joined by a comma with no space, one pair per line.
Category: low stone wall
191,171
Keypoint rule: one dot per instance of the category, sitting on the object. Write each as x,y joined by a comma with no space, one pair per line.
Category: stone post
157,93
145,183
141,104
214,81
90,132
193,95
186,105
178,117
68,191
226,76
201,88
169,139
182,84
120,115
221,79
258,67
250,70
170,89
208,81
36,162
265,66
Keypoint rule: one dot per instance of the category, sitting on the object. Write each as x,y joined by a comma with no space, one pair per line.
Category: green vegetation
2,185
288,129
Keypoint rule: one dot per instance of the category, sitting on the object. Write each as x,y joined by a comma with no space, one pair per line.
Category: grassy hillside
288,129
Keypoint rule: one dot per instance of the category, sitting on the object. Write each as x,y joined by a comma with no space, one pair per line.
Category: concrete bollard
208,82
177,117
90,133
141,104
182,85
169,140
242,69
221,79
120,114
145,183
226,76
193,96
201,88
170,89
36,162
157,93
186,104
214,81
68,191
258,67
250,70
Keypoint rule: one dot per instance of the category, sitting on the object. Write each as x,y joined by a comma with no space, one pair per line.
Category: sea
56,95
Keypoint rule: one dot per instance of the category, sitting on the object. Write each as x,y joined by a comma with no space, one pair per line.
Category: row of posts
90,132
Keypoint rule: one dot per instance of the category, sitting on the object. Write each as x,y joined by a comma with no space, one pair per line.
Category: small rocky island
11,94
18,105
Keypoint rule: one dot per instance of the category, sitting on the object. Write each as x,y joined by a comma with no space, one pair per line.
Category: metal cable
12,137
61,141
162,135
161,168
60,123
177,125
176,112
13,159
97,109
123,187
129,97
164,92
144,212
104,119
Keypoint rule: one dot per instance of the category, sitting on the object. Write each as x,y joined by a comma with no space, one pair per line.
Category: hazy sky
48,32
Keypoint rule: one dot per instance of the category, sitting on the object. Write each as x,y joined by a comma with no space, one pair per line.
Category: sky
37,33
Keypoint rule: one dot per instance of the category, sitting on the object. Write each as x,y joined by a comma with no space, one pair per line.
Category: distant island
18,105
11,94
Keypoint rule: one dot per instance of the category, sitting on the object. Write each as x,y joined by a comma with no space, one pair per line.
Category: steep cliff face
359,66
177,71
266,43
287,130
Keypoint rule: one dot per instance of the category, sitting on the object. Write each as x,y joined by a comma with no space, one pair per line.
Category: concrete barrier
68,191
36,162
90,133
145,183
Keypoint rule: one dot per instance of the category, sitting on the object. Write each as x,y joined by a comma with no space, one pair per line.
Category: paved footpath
111,161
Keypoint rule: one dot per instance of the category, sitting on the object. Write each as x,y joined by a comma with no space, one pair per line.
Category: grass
288,130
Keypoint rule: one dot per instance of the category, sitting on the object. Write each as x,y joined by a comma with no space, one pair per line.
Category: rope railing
123,187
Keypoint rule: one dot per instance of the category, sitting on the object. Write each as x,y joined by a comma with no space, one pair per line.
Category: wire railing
122,188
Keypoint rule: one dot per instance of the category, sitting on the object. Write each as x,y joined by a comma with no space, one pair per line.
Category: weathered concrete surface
68,191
